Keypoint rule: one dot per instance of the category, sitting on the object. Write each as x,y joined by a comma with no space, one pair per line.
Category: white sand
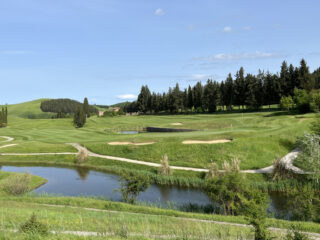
206,142
131,143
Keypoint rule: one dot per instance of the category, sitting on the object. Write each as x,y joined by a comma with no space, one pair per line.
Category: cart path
287,159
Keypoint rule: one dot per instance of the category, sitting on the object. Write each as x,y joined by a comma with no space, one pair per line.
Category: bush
286,103
315,101
18,184
132,185
295,235
213,171
82,156
33,226
280,170
302,100
310,153
315,126
164,169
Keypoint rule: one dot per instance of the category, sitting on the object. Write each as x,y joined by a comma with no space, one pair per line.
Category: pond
84,182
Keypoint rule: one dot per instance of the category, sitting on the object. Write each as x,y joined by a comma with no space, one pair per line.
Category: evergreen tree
79,118
270,89
176,99
240,88
86,107
293,79
190,97
197,95
211,96
284,80
254,92
228,93
185,99
144,99
305,79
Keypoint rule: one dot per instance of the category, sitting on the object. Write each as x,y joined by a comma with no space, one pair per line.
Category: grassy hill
29,110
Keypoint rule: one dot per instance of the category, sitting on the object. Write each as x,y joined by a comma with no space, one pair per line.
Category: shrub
315,101
32,225
302,100
280,170
235,165
132,185
164,169
82,156
315,126
213,171
310,153
286,103
295,235
18,184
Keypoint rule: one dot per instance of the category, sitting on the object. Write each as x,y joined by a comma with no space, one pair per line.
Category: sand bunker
206,142
177,124
131,143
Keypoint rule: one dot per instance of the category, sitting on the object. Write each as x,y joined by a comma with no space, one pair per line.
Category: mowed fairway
257,138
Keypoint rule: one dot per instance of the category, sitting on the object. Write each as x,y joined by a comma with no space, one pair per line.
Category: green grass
161,217
35,182
257,137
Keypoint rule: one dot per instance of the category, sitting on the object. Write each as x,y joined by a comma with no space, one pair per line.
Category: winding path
287,160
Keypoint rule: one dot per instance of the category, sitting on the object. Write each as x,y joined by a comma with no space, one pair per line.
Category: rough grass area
8,177
143,219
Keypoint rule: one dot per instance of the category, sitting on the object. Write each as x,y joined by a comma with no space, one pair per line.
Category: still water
84,182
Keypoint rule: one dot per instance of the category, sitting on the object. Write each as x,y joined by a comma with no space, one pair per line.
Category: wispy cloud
159,12
227,29
15,52
247,28
198,77
127,96
239,56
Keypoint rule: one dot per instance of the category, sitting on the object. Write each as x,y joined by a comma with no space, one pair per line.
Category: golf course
35,142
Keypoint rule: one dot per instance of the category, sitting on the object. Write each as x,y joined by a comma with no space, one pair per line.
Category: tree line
246,91
64,106
4,117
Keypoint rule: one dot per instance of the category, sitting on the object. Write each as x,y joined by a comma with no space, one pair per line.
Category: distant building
100,113
115,109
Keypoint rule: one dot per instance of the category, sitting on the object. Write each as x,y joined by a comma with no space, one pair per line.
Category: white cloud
227,29
127,96
15,52
239,56
159,12
247,28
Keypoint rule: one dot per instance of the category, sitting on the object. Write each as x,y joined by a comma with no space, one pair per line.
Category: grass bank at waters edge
257,137
141,212
178,178
35,182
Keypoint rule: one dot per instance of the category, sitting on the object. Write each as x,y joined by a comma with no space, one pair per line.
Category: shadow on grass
282,113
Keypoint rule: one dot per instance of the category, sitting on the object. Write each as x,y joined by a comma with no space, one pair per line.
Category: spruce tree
197,96
306,82
240,88
86,107
79,118
228,92
190,97
144,99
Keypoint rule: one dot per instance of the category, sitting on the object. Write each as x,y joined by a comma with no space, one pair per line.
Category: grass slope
258,138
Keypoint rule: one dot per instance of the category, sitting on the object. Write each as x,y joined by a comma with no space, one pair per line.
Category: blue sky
106,49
